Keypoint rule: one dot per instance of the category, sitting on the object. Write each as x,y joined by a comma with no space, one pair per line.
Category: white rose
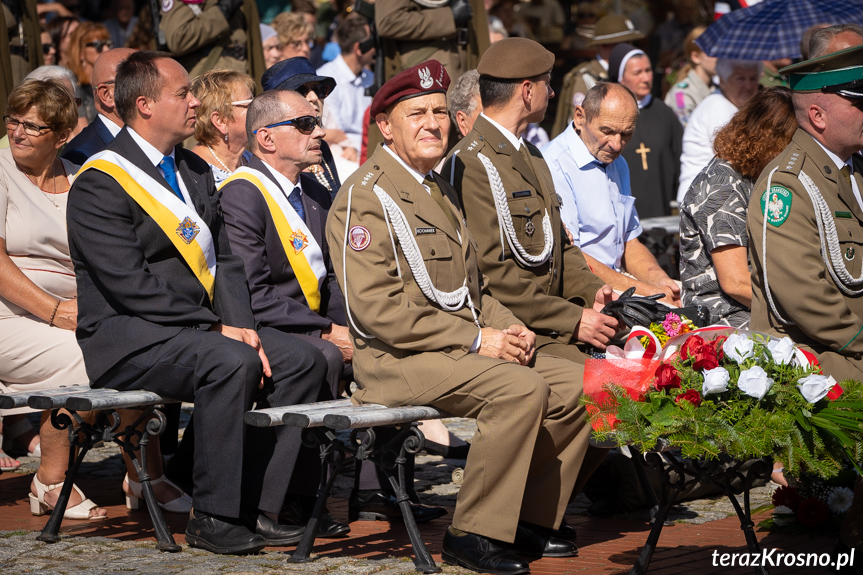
738,347
715,380
754,382
814,387
781,350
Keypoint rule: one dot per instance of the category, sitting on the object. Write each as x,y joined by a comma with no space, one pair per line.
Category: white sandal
182,504
80,511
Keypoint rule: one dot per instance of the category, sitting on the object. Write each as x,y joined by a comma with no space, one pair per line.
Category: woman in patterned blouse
714,267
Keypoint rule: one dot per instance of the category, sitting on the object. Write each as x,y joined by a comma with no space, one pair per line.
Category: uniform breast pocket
850,245
527,222
437,255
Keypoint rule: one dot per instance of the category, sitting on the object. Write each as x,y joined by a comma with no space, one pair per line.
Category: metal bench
320,421
84,435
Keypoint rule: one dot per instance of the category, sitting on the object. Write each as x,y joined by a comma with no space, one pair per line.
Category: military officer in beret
507,193
611,30
426,331
806,219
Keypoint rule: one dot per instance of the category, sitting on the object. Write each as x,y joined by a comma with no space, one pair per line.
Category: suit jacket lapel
194,185
503,147
313,217
102,131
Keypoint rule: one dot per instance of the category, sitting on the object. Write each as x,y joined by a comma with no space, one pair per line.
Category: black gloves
228,7
461,12
639,310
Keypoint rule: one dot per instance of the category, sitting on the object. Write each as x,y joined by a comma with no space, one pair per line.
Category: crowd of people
238,204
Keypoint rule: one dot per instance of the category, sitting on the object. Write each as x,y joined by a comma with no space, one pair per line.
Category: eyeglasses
242,103
46,48
305,124
297,43
100,45
321,90
29,128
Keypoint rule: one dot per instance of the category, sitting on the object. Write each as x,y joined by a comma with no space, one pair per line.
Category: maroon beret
428,77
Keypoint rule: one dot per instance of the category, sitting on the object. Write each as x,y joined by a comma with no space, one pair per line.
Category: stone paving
21,553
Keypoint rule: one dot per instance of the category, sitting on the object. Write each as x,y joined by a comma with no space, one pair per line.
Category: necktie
167,165
437,196
526,155
846,174
296,201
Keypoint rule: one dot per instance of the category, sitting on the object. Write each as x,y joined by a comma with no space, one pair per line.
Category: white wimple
504,220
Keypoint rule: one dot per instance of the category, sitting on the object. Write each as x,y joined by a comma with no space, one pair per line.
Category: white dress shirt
346,106
596,202
709,116
112,127
155,156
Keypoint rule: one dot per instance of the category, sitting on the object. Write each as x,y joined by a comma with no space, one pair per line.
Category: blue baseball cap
292,73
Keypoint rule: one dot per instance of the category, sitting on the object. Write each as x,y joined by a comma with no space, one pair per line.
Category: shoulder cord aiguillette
504,220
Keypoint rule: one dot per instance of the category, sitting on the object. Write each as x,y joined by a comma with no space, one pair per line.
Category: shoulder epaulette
791,160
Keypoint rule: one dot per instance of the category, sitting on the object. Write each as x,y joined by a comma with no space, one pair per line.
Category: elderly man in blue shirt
597,207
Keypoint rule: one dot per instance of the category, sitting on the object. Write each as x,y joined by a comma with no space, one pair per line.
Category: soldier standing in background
24,41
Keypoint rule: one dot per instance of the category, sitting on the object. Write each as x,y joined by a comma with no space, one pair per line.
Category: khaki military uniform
685,95
826,320
202,39
412,34
530,443
577,81
551,297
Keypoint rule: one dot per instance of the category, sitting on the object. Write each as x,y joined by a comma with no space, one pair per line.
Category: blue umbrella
772,29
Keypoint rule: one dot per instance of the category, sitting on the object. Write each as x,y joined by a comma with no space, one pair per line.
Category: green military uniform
411,33
576,82
524,461
685,95
25,46
799,289
202,39
550,297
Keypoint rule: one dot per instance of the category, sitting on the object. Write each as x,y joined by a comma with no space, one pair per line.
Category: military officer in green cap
806,219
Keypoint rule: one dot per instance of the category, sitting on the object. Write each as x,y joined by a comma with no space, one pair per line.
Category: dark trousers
233,467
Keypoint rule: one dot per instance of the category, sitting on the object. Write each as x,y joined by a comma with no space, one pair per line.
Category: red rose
689,346
813,512
692,396
704,357
717,345
666,378
788,497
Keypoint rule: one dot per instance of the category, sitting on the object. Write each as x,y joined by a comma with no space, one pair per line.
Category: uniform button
447,349
432,251
858,356
526,210
827,169
377,168
555,272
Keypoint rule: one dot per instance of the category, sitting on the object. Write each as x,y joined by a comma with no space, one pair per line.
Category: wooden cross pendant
643,151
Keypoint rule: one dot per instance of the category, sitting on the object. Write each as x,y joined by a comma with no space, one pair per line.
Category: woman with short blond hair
296,34
220,128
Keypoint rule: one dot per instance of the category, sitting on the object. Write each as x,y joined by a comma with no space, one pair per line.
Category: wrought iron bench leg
327,445
155,426
669,494
410,441
747,525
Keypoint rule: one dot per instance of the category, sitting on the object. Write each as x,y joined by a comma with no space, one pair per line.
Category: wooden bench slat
19,398
272,416
58,400
316,418
119,400
381,416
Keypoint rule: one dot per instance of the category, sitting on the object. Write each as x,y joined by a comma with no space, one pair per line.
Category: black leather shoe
481,554
221,535
446,451
297,510
565,531
274,534
535,541
364,505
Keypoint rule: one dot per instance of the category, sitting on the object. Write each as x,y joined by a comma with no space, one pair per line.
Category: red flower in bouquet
666,378
717,345
704,357
813,512
788,497
691,396
690,346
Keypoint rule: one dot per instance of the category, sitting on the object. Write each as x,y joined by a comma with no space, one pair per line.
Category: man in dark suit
107,123
275,217
163,305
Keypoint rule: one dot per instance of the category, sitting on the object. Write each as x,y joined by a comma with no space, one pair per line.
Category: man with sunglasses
163,305
107,123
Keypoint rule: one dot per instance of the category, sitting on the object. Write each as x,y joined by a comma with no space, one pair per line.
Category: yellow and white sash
303,251
180,222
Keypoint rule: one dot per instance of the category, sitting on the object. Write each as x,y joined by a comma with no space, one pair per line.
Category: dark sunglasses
100,45
304,124
321,90
46,48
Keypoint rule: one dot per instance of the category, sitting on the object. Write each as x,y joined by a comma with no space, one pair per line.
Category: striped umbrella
772,29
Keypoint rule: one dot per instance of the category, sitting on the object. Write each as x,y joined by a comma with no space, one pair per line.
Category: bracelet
54,313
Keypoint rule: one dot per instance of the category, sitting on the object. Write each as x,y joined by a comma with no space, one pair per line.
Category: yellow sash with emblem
180,222
303,252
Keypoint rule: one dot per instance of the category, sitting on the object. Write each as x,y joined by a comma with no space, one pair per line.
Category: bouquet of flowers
813,503
672,326
745,394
